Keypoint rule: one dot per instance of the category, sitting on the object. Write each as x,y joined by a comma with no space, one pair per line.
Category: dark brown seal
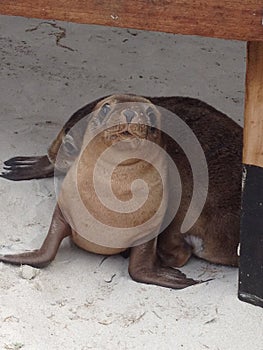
215,235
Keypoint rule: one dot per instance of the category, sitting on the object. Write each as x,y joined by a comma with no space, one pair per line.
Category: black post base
251,239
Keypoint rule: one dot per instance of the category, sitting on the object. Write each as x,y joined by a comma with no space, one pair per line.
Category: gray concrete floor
46,77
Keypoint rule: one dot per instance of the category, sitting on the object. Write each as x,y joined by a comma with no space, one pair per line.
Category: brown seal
124,141
214,236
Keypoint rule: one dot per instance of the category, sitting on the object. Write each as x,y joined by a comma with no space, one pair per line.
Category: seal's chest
130,195
115,211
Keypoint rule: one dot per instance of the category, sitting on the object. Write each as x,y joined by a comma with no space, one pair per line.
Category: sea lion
214,236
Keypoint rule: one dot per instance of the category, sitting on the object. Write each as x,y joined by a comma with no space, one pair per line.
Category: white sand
78,302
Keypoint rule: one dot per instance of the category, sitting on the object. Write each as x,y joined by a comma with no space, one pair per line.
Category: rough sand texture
80,301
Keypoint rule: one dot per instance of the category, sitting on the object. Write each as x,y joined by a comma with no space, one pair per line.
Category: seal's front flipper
58,230
146,267
27,168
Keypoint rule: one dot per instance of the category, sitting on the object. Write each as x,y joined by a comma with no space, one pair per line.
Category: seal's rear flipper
27,168
59,229
146,267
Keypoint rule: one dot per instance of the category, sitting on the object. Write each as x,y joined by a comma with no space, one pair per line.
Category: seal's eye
69,146
105,109
152,117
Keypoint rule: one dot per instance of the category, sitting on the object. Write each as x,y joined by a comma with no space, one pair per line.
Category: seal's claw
145,267
27,168
210,279
34,258
21,161
162,276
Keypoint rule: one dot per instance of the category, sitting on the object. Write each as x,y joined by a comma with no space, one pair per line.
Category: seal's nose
129,115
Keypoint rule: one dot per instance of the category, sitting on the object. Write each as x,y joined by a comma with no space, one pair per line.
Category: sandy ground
80,301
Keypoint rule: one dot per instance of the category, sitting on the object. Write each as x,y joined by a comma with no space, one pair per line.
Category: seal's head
126,118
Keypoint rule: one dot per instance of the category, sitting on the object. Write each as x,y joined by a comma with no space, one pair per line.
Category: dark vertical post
251,252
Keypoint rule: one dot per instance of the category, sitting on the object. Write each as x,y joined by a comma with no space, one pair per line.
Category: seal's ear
69,146
68,152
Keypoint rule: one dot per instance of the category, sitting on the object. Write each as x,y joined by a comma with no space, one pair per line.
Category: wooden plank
233,19
253,130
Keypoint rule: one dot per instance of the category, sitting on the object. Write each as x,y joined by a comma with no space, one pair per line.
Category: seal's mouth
126,132
126,135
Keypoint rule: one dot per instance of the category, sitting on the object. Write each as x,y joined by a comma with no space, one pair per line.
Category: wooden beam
253,130
233,19
251,259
